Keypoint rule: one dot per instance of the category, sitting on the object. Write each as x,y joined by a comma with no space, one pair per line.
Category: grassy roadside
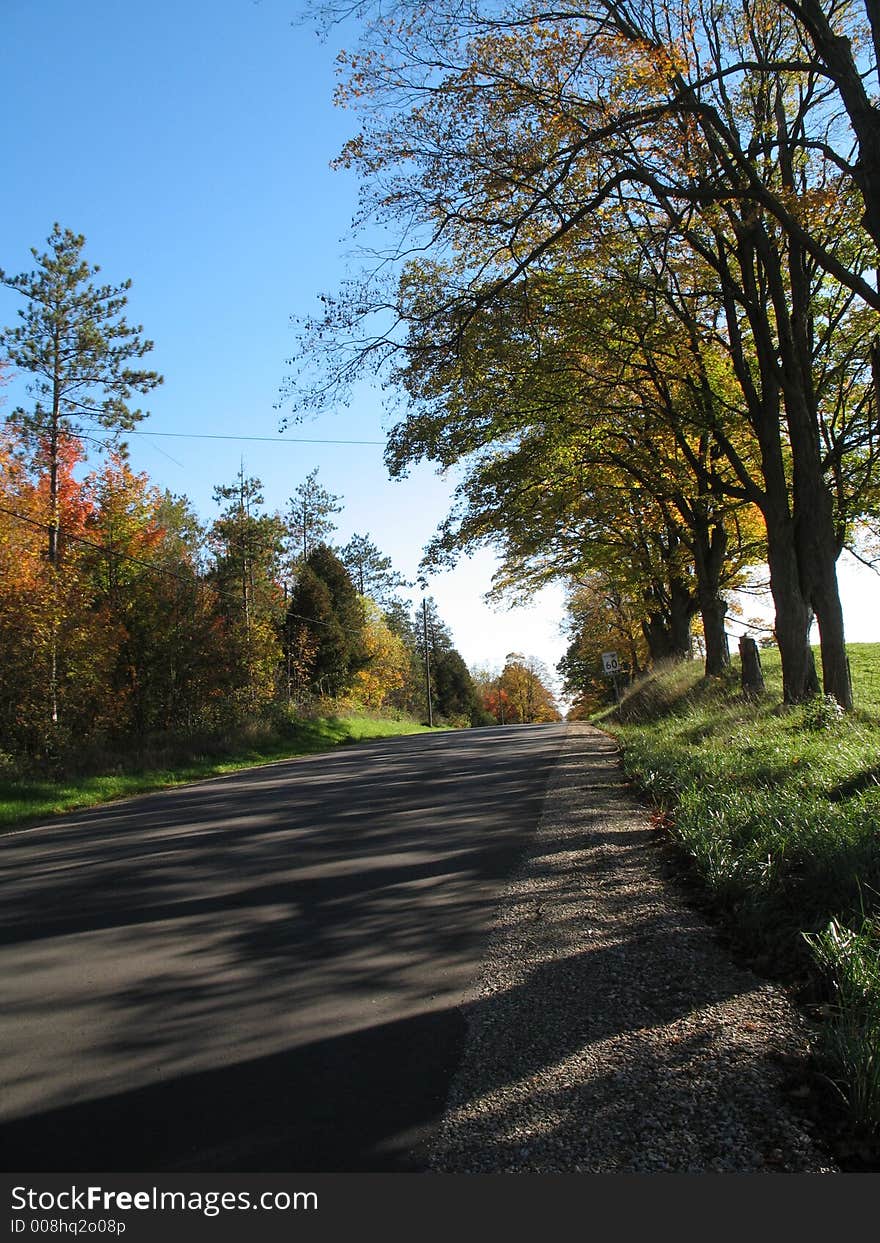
776,813
26,801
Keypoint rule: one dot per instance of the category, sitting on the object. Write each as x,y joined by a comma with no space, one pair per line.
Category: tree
523,685
456,695
248,547
388,661
48,620
574,394
77,345
325,606
314,633
309,517
519,694
144,560
601,617
371,572
508,136
406,625
427,619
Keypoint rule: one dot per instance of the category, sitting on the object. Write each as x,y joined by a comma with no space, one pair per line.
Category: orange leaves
78,636
124,510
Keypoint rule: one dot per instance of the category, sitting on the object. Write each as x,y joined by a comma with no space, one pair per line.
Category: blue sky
191,143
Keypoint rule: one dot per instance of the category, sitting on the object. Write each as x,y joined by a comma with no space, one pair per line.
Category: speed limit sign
610,663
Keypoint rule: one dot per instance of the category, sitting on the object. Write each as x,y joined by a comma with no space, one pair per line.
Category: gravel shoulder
610,1032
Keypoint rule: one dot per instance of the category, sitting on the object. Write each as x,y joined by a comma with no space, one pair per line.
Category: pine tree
325,603
456,694
371,572
309,517
248,549
75,343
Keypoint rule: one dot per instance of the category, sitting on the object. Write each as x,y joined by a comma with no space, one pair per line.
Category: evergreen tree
248,547
75,342
313,626
371,572
456,695
325,603
439,635
310,517
76,345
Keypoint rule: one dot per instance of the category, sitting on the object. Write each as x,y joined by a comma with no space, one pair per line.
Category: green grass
777,812
28,800
850,961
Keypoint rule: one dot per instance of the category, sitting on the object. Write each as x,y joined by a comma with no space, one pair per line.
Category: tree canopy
661,222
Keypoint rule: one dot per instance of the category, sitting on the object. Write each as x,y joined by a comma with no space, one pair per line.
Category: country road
260,972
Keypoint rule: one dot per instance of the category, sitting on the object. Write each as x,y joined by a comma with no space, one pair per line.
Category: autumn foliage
630,291
148,625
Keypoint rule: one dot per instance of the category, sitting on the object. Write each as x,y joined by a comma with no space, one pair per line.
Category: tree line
635,300
123,616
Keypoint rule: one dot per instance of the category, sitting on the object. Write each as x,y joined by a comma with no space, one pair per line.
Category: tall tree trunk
710,549
655,628
817,548
836,678
667,626
816,540
794,616
713,612
682,609
819,551
761,268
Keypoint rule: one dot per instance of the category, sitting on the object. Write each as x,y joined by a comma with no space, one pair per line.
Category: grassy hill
776,813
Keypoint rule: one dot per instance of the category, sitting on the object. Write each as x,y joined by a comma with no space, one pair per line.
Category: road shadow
332,1106
260,972
365,1101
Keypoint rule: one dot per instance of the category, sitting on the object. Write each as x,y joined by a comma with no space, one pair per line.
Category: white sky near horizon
191,145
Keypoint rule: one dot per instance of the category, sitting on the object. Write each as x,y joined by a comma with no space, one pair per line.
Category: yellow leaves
648,68
388,662
812,205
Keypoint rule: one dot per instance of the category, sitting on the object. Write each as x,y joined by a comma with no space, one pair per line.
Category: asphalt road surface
262,972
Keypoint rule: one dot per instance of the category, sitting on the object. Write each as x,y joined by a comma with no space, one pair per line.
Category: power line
34,434
108,443
275,440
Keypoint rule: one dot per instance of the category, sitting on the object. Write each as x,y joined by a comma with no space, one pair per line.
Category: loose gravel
611,1033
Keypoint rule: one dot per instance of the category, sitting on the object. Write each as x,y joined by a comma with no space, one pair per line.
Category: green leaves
74,341
325,604
310,518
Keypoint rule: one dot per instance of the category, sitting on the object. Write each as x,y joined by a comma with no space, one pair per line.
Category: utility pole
244,513
427,661
287,645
